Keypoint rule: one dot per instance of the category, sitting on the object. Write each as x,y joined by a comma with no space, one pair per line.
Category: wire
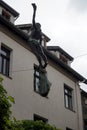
22,70
81,56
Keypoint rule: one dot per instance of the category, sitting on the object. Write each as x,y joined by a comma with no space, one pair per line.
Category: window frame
5,56
68,97
6,14
63,58
37,70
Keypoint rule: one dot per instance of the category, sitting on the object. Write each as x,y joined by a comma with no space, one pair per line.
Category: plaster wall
27,102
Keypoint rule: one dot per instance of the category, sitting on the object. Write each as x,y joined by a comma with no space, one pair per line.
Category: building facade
84,108
21,73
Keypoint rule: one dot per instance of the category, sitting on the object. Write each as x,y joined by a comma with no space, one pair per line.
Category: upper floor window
63,59
4,60
68,97
6,15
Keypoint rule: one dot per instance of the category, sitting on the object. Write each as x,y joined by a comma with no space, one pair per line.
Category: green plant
37,125
5,104
31,125
6,122
16,125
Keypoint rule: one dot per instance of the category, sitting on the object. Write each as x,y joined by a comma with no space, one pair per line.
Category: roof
28,27
59,49
13,28
49,55
65,67
7,7
24,26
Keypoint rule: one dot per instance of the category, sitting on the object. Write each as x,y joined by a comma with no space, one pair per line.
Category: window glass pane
37,85
0,63
70,92
66,101
70,103
7,67
4,66
66,91
3,52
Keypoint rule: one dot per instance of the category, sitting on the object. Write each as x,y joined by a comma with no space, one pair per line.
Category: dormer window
61,54
63,58
6,15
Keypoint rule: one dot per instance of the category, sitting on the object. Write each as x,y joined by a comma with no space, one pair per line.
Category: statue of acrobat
36,40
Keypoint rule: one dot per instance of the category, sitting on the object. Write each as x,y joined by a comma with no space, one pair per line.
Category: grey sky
79,5
64,21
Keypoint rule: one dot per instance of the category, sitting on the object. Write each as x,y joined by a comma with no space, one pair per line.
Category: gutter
13,28
65,67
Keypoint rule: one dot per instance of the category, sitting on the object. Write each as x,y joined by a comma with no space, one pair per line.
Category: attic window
6,15
63,58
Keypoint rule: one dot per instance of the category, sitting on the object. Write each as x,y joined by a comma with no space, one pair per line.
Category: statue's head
38,25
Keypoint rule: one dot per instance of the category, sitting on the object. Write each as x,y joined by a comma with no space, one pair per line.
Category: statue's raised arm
34,14
36,40
36,33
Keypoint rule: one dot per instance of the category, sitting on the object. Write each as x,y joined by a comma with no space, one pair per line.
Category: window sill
5,76
70,109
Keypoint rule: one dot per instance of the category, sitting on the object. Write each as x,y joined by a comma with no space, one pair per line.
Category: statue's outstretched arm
34,15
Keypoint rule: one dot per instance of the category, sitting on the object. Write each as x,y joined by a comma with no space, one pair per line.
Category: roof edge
9,8
57,48
65,67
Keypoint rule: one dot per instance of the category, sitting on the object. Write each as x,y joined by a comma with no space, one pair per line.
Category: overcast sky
64,21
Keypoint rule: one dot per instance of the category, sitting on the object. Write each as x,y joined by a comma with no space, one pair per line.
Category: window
69,129
63,58
68,96
41,82
39,118
4,60
36,80
6,15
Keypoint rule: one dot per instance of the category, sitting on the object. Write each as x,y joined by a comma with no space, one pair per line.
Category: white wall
27,102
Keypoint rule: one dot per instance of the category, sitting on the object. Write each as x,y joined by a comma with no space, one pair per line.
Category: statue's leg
35,49
43,56
39,53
